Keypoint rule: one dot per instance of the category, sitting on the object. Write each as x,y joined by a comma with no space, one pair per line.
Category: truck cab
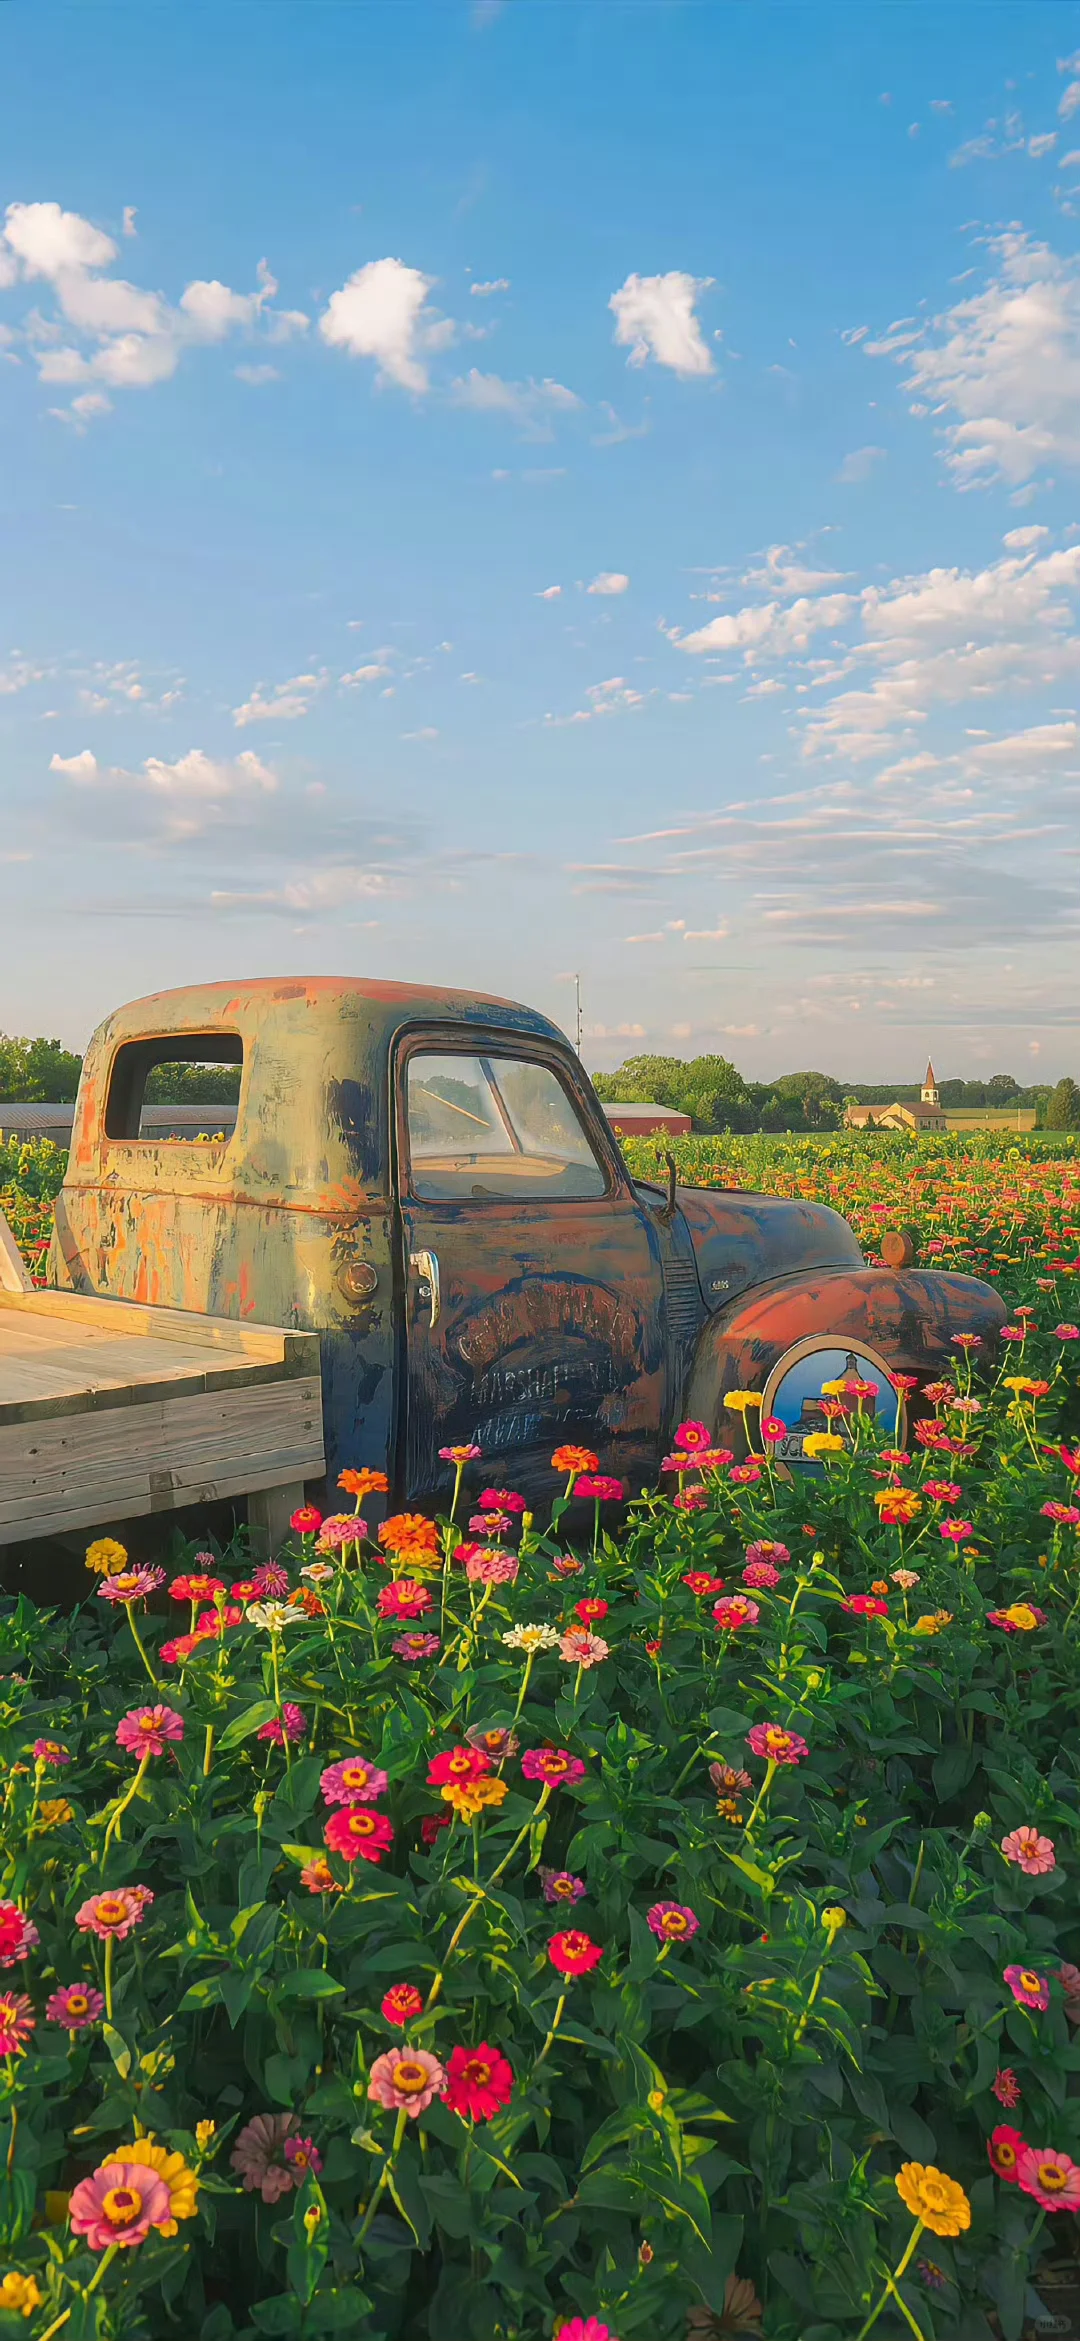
427,1180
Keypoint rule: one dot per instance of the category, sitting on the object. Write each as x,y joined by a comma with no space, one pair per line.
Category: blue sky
495,490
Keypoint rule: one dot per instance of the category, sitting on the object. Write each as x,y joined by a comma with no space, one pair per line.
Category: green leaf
244,1726
308,1983
118,2049
758,1877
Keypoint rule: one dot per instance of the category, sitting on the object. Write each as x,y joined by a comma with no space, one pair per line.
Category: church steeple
931,1094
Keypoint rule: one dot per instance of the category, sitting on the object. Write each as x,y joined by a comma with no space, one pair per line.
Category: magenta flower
502,1500
303,2155
555,1765
776,1745
1051,2178
764,1549
692,1435
75,2006
258,2156
147,1731
119,2204
562,1886
744,1474
354,1781
691,1500
1029,1852
292,1718
491,1568
51,1752
460,1454
130,1585
490,1523
586,2329
1066,1515
1006,2088
17,2022
406,2080
271,1581
761,1575
18,1934
601,1489
414,1646
114,1912
735,1610
956,1531
672,1922
1028,1989
1067,1332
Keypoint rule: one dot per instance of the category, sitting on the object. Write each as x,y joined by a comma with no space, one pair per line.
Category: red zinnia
462,1763
357,1833
1005,2148
589,1610
479,2082
401,2003
574,1953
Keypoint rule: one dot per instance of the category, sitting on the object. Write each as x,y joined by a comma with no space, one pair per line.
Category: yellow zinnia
469,1797
106,1557
19,2295
933,2198
172,2169
823,1443
739,1401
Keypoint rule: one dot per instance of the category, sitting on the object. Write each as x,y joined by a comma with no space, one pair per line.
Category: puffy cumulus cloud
655,317
771,629
181,799
124,337
282,702
496,284
532,405
1004,363
609,582
382,313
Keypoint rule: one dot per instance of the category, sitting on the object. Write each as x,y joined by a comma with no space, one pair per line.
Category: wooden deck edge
241,1376
97,1514
265,1344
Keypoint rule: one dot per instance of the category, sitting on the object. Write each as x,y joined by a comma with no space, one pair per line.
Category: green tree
37,1071
1063,1108
186,1084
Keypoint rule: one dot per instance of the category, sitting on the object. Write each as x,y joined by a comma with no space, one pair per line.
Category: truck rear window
177,1086
496,1126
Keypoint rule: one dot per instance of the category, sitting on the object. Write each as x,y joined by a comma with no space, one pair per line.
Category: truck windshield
495,1126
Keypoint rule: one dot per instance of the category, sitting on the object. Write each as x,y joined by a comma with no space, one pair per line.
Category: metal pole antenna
577,997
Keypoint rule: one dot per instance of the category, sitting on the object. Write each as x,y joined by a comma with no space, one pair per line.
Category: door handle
426,1265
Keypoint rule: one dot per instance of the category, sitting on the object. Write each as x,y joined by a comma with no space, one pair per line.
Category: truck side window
184,1086
496,1126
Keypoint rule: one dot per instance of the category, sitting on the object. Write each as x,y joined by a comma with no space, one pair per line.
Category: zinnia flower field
661,1919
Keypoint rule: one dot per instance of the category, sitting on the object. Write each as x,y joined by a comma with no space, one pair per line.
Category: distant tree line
713,1092
43,1072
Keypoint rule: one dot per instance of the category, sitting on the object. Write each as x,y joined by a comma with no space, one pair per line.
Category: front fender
908,1316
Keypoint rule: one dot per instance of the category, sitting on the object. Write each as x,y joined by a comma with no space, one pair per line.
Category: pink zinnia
1052,2179
270,1581
414,1646
303,2155
775,1744
148,1730
692,1435
865,1605
599,1488
490,1523
691,1500
119,2204
16,2022
353,1781
406,2080
1006,2088
956,1531
744,1474
585,2329
502,1500
1029,1852
292,1718
131,1585
406,1598
258,2156
1029,1989
1066,1515
581,1649
761,1575
491,1568
764,1549
75,2006
50,1751
551,1764
735,1610
1067,1332
18,1935
114,1912
673,1922
195,1587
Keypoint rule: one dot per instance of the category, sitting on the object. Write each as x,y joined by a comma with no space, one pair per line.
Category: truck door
532,1273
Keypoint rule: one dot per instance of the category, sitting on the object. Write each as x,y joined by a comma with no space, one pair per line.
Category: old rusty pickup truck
426,1180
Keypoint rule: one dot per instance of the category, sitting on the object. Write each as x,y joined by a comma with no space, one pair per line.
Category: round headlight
357,1279
825,1385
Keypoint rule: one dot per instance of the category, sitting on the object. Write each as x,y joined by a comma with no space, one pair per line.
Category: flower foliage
486,1975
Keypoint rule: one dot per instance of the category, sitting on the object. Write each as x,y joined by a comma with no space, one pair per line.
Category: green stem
529,1663
770,1775
130,1608
891,2282
274,1638
385,2173
120,1809
110,1941
522,1834
554,2028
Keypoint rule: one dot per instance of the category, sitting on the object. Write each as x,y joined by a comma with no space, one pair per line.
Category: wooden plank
14,1276
75,1471
262,1342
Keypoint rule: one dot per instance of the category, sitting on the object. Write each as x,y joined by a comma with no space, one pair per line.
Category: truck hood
742,1239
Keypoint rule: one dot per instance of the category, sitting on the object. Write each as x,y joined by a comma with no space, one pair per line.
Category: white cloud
382,313
655,317
609,581
1020,540
1005,362
1070,100
284,703
483,292
768,630
859,465
371,673
126,337
184,796
549,593
130,217
532,404
257,375
82,769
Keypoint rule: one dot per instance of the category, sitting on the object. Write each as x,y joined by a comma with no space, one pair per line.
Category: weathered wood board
109,1410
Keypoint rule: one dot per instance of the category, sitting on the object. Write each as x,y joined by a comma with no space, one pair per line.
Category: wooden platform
109,1410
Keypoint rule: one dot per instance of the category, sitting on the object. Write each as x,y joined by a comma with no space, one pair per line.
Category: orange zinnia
364,1483
411,1530
575,1460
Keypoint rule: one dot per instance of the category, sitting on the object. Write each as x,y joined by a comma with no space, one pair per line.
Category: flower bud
981,1822
312,2220
813,1681
832,1920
